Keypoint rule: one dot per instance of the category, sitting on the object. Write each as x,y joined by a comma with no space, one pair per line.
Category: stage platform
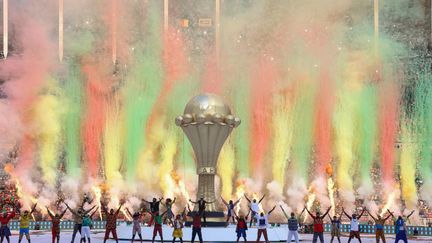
276,234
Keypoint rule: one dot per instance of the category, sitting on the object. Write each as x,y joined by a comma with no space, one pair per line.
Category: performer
254,206
169,215
178,225
55,224
401,227
111,221
355,232
136,228
241,227
230,209
154,207
318,227
196,225
379,226
292,225
25,222
77,218
262,220
158,225
335,227
86,226
201,207
4,230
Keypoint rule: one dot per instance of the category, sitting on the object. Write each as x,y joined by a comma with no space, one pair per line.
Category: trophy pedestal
214,219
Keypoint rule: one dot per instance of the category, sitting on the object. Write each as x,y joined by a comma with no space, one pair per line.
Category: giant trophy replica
207,122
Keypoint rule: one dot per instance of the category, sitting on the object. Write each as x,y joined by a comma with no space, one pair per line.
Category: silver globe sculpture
207,122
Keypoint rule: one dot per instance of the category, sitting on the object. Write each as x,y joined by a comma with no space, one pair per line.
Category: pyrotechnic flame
169,192
98,195
330,187
240,190
183,191
123,210
389,204
329,169
175,178
309,204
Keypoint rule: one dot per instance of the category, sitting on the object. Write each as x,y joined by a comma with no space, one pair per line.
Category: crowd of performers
83,221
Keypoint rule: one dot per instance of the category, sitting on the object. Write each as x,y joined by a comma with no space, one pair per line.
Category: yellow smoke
408,168
48,112
168,152
112,143
282,132
225,168
155,137
344,120
344,131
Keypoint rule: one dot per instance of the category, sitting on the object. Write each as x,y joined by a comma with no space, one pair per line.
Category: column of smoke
25,75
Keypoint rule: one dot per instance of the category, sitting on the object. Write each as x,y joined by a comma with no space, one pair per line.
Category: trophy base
213,219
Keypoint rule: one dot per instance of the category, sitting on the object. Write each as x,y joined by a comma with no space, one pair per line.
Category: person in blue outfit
400,227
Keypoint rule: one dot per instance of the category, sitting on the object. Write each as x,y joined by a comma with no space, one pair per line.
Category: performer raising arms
158,225
355,231
254,206
318,227
379,226
169,213
196,225
178,225
292,225
78,219
111,221
201,207
230,209
241,227
4,230
55,224
401,227
25,222
136,227
335,227
154,207
262,223
86,224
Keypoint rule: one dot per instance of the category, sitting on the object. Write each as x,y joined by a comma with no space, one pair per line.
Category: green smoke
142,88
73,90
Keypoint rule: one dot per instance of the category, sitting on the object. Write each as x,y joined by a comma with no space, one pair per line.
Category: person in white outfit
262,220
254,206
355,229
292,226
86,224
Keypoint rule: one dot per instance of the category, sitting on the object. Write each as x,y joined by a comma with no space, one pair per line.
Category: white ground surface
209,234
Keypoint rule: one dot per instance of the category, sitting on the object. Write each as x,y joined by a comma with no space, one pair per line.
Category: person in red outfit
55,224
111,222
318,226
4,230
196,225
